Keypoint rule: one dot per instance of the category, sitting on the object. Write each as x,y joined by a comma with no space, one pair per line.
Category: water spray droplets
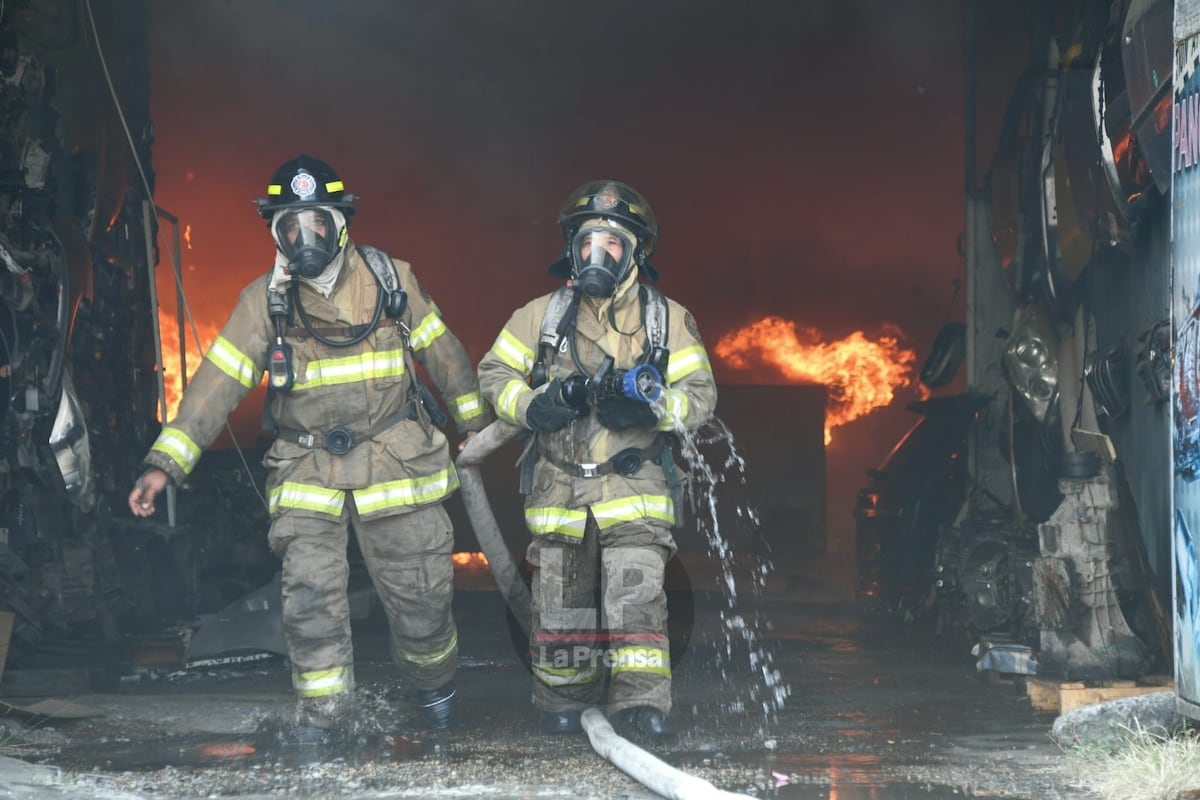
740,636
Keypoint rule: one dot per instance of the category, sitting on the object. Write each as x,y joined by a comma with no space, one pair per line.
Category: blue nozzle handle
643,382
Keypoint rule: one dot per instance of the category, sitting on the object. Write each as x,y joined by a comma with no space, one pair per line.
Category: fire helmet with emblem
304,182
307,208
618,211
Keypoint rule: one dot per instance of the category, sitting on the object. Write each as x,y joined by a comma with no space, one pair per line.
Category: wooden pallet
1059,697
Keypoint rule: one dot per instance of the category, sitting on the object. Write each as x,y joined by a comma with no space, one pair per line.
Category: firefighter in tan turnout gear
336,327
601,370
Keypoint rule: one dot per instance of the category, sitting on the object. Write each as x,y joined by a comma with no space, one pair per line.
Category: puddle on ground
890,791
813,776
792,776
241,752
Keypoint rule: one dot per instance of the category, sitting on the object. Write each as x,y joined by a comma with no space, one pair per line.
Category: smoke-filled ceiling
804,159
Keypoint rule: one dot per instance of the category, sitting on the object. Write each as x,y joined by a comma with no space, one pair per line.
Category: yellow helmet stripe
334,186
275,188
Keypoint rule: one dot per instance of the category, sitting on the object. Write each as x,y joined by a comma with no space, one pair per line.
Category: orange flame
861,374
169,326
187,236
469,561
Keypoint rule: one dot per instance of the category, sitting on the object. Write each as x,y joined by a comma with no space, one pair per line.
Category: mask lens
601,254
307,229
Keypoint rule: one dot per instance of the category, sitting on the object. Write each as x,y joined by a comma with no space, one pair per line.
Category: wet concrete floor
876,710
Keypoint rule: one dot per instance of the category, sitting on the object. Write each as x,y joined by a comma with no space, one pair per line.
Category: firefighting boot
554,722
320,721
643,723
439,707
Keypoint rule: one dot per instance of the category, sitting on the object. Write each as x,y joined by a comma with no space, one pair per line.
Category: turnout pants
408,558
600,616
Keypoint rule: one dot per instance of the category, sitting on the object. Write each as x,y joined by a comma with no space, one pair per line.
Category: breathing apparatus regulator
308,211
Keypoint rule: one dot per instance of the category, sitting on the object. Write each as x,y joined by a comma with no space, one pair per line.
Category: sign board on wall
1185,310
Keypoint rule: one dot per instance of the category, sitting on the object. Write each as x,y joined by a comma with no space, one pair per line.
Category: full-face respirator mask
309,238
601,255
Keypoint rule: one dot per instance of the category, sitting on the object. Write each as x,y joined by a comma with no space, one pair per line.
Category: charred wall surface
78,384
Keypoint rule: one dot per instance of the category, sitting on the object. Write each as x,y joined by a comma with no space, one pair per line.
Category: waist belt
626,462
342,440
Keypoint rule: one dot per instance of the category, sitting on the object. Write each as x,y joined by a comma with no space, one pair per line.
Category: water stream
712,461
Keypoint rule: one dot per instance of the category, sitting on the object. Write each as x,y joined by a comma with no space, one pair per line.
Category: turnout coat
399,462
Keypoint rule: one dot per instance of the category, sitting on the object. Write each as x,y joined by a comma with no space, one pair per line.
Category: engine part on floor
483,520
1084,633
983,576
655,775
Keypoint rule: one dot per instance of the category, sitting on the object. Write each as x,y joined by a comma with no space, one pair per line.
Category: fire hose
640,765
487,530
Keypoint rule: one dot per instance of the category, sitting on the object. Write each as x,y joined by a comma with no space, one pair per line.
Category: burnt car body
911,496
1056,549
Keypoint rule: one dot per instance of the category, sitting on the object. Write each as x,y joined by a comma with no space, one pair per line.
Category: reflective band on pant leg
635,613
567,666
324,682
316,609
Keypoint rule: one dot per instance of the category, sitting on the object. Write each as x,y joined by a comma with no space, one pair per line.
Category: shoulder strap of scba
279,304
381,264
564,301
279,307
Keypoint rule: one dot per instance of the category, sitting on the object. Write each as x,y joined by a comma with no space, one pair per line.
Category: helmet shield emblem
607,198
304,185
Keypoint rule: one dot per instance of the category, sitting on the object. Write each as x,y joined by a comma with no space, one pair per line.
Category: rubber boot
645,723
439,707
319,721
555,722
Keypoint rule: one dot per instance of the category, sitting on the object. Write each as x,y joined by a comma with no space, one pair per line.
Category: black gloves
621,414
549,412
562,402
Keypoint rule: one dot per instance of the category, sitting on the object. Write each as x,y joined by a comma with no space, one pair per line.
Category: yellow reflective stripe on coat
564,676
429,329
512,351
406,492
466,406
506,404
177,446
233,362
362,367
675,401
652,660
687,361
306,497
548,519
638,506
432,659
322,683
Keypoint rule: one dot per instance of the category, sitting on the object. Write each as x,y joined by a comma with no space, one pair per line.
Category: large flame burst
861,374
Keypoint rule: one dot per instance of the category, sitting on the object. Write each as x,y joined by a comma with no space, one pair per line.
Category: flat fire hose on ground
657,776
635,762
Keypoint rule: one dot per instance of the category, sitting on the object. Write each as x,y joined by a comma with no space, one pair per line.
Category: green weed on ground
1140,765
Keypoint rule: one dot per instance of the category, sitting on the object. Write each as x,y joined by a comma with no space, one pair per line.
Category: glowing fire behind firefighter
169,325
861,374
